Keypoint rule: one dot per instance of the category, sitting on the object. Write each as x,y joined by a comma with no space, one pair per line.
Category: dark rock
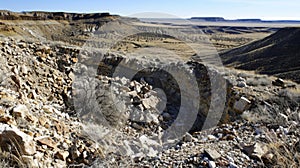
278,82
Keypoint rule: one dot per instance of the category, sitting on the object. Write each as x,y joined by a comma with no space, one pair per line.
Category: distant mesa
221,19
209,19
249,20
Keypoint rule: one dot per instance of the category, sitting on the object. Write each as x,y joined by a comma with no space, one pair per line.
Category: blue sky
230,9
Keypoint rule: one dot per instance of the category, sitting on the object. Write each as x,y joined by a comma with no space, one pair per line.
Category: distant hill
209,19
221,19
277,54
249,20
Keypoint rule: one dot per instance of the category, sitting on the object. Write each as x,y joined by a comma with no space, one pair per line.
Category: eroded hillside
276,55
73,94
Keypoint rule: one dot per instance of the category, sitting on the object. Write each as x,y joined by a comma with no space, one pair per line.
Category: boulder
212,154
49,109
256,150
45,140
20,111
242,105
62,155
278,82
150,102
188,138
241,84
28,160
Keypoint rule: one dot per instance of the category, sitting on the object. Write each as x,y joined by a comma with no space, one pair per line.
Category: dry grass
285,154
285,146
7,160
285,157
10,156
259,81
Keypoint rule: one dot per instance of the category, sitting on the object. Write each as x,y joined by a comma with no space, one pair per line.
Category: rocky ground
41,125
35,127
64,106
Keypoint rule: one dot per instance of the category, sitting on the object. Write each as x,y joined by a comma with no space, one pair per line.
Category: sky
229,9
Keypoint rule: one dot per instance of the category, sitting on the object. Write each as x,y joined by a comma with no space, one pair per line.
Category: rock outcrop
62,106
38,15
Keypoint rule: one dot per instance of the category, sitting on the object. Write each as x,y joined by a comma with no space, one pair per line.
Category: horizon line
190,17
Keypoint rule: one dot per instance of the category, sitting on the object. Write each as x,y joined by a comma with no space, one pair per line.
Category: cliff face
72,28
39,15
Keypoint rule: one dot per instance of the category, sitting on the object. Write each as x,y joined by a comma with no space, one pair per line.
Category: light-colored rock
45,140
42,120
212,164
211,137
49,109
38,155
232,165
149,145
133,93
74,60
62,155
268,157
282,118
2,112
241,79
151,117
24,69
242,104
28,160
60,128
212,153
20,111
256,150
150,102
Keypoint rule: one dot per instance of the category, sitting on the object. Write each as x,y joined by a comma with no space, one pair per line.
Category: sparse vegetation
285,152
8,160
62,112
